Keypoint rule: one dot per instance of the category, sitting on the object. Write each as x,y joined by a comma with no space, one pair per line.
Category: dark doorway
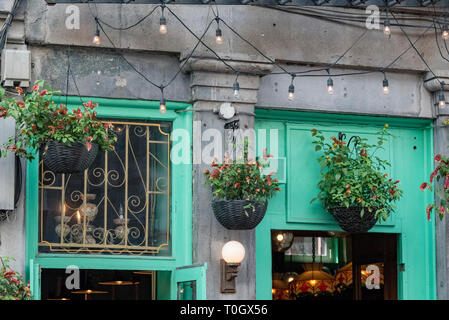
98,285
324,266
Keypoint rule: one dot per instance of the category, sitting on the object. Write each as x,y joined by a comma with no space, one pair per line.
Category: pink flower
423,186
441,209
434,173
375,197
437,158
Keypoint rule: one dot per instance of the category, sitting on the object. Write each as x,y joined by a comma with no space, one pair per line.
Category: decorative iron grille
120,205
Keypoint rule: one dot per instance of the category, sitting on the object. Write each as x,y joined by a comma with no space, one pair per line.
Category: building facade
182,247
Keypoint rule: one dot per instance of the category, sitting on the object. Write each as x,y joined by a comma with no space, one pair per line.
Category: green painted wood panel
181,215
410,151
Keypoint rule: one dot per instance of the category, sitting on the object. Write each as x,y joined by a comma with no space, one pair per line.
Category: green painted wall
181,203
410,152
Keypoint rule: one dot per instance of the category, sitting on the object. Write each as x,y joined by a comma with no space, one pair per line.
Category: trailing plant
12,286
442,189
39,120
353,176
242,180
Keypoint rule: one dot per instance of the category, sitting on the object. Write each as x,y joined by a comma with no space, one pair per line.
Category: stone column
212,85
441,143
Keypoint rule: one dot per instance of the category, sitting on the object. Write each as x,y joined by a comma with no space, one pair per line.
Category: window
120,205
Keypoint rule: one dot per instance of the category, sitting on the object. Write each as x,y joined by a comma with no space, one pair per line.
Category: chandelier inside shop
438,23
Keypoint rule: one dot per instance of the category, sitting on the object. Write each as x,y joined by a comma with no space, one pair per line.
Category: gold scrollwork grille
120,205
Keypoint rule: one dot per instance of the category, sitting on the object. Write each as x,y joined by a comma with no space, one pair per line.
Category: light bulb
445,32
163,25
291,92
330,86
236,88
312,282
233,252
385,88
387,28
442,100
97,40
280,237
219,36
290,279
273,291
162,106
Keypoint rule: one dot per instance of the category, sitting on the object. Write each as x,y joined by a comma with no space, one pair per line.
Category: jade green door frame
416,247
181,202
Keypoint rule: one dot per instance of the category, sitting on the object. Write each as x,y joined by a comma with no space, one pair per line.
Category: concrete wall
294,40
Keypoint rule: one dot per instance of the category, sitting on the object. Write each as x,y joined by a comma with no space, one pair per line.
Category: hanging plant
68,140
353,185
241,191
442,189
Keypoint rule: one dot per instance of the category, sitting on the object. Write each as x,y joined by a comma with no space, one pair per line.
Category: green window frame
181,201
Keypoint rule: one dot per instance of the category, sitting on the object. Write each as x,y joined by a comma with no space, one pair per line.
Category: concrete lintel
224,80
210,64
223,94
433,84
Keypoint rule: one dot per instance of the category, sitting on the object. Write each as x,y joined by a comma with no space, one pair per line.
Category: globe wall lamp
233,253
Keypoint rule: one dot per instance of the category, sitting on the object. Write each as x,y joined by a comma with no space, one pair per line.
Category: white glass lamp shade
233,252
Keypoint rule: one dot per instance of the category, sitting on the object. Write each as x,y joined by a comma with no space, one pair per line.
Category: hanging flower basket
350,219
61,158
239,214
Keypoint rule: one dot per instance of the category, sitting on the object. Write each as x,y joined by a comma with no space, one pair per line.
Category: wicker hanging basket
61,158
239,214
349,219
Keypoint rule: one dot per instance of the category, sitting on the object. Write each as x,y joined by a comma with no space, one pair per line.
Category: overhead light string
387,26
441,97
163,103
96,39
385,87
330,83
218,33
291,88
236,86
163,21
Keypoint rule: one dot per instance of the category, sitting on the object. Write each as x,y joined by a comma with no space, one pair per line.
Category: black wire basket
239,214
349,219
61,158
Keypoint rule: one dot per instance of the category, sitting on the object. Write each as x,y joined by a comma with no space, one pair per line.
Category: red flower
89,146
9,274
441,209
277,189
89,139
19,90
434,173
375,197
44,92
21,104
423,186
214,174
237,185
437,158
36,87
397,181
429,210
374,188
90,105
206,171
348,192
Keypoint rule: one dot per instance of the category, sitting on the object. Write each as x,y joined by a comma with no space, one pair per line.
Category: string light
218,33
330,83
163,22
445,32
97,40
162,104
236,88
291,90
385,88
280,237
441,97
387,28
